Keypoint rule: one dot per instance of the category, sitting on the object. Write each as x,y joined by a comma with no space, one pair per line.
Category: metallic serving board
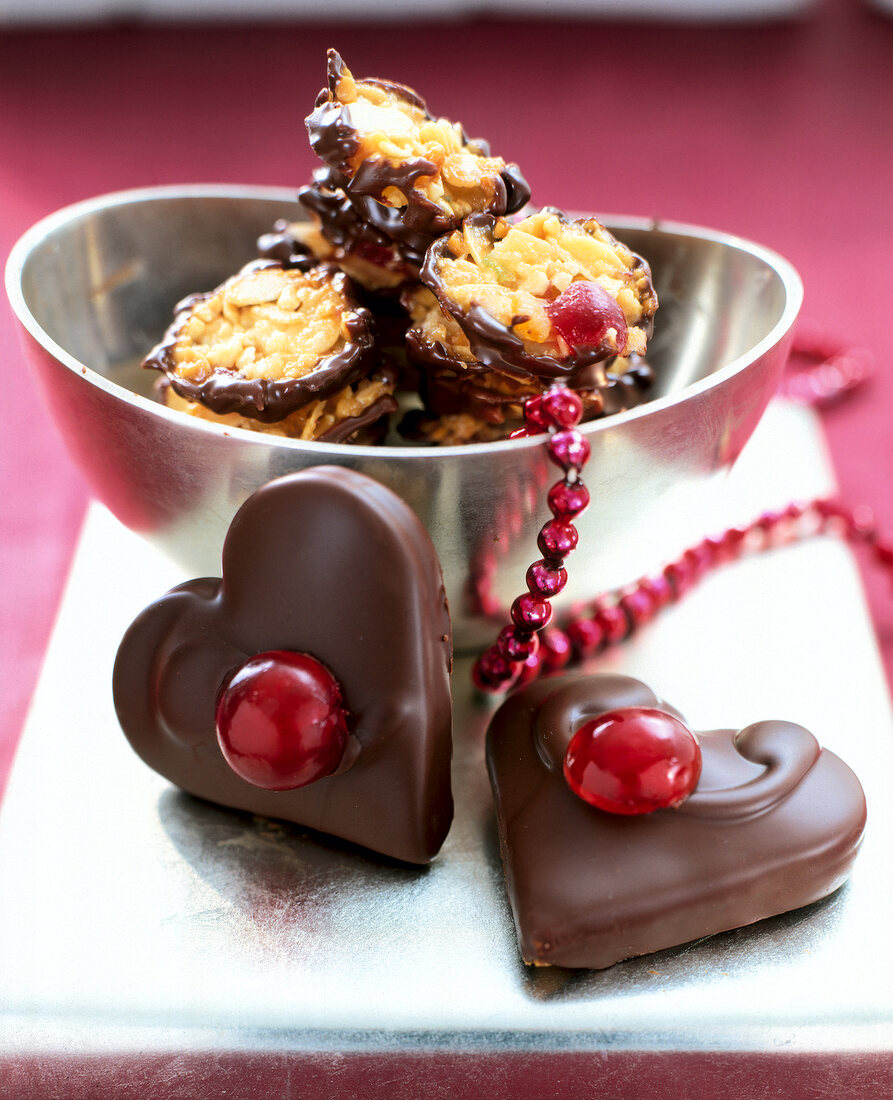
154,945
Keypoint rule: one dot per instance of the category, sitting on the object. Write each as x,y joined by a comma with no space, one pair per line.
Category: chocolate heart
329,563
774,823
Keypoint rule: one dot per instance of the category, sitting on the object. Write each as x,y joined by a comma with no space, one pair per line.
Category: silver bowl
93,286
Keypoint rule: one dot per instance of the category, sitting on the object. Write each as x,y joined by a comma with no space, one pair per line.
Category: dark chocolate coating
626,390
362,225
371,417
447,388
331,563
268,399
774,823
495,345
333,138
281,246
389,221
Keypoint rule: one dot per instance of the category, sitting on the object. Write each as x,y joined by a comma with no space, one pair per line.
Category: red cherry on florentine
633,760
584,312
280,721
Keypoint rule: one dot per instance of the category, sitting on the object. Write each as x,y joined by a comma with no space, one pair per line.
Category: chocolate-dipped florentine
295,343
267,342
543,298
382,138
481,408
477,407
330,566
364,234
359,413
774,823
339,233
464,402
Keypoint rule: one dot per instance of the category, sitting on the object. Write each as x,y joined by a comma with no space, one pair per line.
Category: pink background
780,132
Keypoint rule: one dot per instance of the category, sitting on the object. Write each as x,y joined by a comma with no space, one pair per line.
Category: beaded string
820,373
557,411
529,646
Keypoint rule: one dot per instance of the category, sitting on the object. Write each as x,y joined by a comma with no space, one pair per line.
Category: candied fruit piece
585,314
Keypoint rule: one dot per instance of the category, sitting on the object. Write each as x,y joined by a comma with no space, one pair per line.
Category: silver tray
153,945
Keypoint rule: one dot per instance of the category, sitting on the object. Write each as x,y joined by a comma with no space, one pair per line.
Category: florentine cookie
382,138
544,297
267,341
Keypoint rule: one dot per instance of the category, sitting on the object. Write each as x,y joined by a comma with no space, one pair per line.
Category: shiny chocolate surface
774,824
329,563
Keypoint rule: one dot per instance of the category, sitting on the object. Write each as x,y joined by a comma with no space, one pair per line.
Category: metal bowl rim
37,233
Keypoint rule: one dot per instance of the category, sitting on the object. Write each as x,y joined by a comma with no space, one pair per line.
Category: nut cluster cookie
275,345
414,297
381,136
540,298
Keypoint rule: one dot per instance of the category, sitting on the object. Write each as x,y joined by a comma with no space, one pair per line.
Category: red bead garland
558,411
830,373
531,646
612,618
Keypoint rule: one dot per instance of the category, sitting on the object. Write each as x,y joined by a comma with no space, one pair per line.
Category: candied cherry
584,312
379,255
280,721
633,760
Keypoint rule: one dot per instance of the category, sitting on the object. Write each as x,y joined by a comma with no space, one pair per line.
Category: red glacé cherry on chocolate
280,722
633,760
583,313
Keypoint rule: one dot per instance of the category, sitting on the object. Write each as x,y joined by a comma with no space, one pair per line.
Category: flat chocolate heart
329,563
773,824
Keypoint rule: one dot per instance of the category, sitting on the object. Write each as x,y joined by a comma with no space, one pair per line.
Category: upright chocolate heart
774,823
329,563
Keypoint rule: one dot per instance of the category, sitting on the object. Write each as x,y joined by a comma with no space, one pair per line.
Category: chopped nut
256,288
